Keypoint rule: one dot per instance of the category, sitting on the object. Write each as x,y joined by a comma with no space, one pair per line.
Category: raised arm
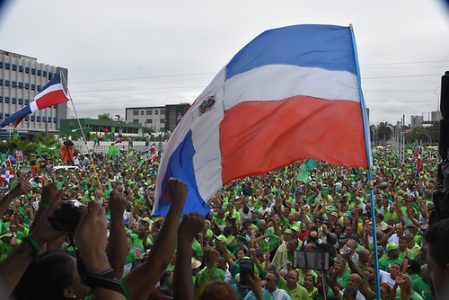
22,187
41,232
117,239
190,226
142,280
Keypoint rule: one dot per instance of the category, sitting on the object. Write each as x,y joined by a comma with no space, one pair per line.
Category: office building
436,116
159,118
416,121
21,78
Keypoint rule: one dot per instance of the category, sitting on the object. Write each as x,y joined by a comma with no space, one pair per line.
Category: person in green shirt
211,271
291,286
309,285
391,257
341,272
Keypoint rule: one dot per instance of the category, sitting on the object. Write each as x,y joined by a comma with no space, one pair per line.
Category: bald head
355,280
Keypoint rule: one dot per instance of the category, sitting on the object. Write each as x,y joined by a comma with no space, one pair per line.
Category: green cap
329,209
221,238
392,246
295,228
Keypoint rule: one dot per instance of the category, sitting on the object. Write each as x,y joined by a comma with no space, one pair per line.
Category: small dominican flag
7,175
51,94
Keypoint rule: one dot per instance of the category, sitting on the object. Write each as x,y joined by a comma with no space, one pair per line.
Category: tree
384,131
105,117
427,135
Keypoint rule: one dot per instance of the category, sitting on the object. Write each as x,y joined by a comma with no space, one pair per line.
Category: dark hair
438,238
217,290
46,277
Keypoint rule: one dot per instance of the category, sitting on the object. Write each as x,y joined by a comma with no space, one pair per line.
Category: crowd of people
108,246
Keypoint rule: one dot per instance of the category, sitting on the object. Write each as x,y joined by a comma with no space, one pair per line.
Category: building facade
159,118
416,121
436,116
21,78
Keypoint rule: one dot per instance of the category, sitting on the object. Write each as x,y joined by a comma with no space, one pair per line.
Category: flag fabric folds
290,94
51,94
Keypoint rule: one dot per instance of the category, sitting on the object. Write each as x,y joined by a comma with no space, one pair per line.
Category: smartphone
246,270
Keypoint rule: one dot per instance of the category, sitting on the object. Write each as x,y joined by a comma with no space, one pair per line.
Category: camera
67,217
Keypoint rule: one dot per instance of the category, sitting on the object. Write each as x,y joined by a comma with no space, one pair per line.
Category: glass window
6,82
20,68
1,64
54,119
50,75
156,112
148,112
27,70
162,111
20,85
33,87
33,71
20,101
33,118
14,67
135,121
27,101
1,99
136,113
14,83
27,118
142,113
38,119
44,73
7,66
6,99
49,119
162,121
1,82
149,121
39,72
14,100
38,88
27,86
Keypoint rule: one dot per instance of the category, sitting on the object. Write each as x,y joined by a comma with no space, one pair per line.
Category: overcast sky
144,53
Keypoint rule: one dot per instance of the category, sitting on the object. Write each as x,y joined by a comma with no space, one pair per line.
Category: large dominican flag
52,93
290,94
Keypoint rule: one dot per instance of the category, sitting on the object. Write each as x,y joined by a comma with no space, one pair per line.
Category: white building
159,118
416,120
21,78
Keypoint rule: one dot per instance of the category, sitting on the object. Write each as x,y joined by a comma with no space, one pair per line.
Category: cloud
123,54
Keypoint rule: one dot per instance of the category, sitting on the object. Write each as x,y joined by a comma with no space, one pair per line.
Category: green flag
113,150
303,174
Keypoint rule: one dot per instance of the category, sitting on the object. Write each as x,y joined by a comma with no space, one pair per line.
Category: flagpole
93,166
370,163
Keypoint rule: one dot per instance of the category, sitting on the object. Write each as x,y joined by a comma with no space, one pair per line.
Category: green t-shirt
343,278
418,284
391,215
385,262
297,293
196,247
130,257
413,296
